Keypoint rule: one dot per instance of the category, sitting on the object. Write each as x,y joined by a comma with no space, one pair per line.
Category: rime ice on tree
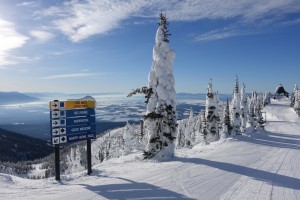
235,112
160,119
244,109
211,111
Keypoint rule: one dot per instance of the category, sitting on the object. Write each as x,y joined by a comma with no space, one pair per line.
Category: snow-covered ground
263,165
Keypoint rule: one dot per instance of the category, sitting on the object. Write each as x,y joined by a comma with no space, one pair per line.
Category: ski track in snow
263,165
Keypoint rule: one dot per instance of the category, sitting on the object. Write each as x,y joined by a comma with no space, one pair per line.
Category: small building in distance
280,91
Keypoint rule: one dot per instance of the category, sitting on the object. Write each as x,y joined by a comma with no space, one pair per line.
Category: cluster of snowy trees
295,100
16,168
222,119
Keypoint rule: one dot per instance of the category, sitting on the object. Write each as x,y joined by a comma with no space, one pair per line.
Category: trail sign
72,104
71,121
66,122
71,113
80,137
73,130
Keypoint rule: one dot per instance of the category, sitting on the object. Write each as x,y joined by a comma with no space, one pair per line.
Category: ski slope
263,165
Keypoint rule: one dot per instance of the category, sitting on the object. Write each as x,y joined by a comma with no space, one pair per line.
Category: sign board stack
71,121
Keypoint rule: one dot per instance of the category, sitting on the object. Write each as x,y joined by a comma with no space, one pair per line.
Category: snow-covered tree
189,131
297,101
224,132
251,115
212,115
130,139
296,89
226,117
244,109
203,129
160,118
235,111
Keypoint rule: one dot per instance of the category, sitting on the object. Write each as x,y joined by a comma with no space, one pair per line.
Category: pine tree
235,112
244,109
226,119
189,131
160,118
163,22
251,115
212,115
203,131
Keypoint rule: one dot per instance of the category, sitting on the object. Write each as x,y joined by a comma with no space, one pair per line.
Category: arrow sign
55,140
72,113
55,132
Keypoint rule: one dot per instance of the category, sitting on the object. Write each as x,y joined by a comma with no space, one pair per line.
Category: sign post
89,156
57,166
71,121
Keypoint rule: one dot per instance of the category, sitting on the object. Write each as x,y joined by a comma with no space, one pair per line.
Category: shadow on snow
257,174
271,139
133,190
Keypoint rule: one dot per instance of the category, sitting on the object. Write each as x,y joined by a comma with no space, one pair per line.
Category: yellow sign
58,105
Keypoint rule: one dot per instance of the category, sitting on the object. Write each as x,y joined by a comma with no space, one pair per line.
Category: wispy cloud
71,75
28,4
79,20
41,36
224,33
10,39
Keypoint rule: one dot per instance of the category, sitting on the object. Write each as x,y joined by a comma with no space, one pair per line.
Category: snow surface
263,165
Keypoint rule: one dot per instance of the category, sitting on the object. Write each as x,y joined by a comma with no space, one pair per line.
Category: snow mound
6,179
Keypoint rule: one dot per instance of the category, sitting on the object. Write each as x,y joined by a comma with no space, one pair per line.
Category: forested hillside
16,147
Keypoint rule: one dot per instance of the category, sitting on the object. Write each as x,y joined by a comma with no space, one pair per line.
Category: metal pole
57,165
89,156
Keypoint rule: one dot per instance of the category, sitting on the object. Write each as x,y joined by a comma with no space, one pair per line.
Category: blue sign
73,130
86,136
55,123
72,113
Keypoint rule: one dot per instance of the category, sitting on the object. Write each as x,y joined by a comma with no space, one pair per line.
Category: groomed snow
263,165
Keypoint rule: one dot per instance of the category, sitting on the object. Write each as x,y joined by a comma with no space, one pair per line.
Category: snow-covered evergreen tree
130,139
189,131
226,117
235,111
224,132
244,109
293,96
212,115
203,129
297,101
160,118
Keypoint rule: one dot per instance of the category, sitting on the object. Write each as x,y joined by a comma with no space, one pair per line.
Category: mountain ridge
15,97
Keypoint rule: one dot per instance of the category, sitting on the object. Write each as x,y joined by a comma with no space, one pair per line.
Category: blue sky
86,46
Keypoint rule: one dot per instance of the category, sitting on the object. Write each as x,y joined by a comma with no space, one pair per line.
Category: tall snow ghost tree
212,115
160,118
235,112
244,109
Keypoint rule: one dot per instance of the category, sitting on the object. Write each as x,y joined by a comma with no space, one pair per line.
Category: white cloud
224,33
27,4
41,36
10,39
72,75
82,19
